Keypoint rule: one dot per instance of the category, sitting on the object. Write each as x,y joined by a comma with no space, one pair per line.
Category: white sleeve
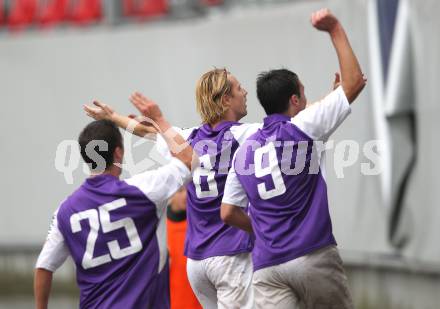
322,118
234,193
161,145
242,132
54,251
160,184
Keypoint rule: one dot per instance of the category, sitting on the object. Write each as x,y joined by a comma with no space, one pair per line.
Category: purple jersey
115,232
278,170
206,234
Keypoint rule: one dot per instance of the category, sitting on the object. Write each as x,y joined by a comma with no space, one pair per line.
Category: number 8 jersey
206,234
116,234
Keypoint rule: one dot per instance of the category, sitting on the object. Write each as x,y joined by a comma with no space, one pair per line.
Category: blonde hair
210,90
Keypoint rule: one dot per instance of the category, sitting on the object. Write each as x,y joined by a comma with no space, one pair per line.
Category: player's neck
292,111
291,115
113,170
226,117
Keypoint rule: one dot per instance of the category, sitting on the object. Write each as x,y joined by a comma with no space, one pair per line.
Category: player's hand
140,119
100,111
147,107
147,127
324,20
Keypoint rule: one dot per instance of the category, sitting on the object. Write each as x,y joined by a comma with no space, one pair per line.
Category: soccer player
280,173
219,265
115,229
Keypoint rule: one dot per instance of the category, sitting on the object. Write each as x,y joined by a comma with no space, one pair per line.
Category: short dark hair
100,130
274,89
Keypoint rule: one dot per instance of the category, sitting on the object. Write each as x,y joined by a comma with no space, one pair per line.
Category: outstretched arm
176,143
352,78
104,111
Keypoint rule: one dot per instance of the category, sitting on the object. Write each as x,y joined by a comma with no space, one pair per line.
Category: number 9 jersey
280,171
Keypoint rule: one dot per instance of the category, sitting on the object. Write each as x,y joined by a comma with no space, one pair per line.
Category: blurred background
56,55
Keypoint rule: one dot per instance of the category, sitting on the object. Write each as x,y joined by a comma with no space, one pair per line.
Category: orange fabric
182,296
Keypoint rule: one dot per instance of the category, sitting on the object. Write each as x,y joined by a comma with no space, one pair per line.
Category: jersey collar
221,126
268,120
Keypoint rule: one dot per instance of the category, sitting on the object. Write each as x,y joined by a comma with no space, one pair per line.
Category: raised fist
324,20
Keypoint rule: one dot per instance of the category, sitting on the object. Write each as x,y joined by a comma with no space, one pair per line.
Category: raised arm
104,111
176,143
352,79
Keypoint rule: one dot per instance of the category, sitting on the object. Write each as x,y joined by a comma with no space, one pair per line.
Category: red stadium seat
86,11
211,2
2,13
53,12
145,8
22,13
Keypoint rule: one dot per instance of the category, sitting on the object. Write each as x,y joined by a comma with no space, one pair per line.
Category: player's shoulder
243,131
70,199
67,206
321,118
293,131
161,146
336,98
248,125
186,132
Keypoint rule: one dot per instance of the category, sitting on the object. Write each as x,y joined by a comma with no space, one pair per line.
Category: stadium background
387,225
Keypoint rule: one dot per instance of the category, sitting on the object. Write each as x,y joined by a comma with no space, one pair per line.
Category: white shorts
222,281
316,281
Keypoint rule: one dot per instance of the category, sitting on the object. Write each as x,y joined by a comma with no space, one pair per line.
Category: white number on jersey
271,169
88,260
205,170
116,252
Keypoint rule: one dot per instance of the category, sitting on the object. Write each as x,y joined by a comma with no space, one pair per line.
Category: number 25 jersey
115,232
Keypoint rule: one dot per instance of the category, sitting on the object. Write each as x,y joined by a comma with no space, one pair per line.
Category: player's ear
226,100
294,100
118,154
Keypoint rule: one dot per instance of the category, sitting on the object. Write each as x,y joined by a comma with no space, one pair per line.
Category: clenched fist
324,20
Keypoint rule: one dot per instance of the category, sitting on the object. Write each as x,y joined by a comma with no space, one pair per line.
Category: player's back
113,232
280,171
289,207
207,235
